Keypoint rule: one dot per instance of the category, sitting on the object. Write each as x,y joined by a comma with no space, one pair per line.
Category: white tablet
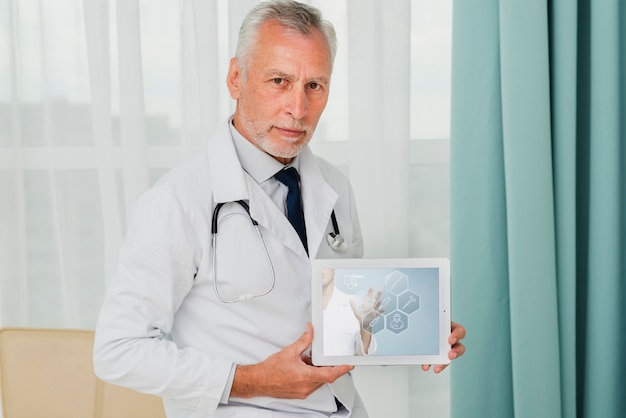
380,311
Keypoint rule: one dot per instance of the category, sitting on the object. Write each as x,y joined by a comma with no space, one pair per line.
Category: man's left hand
457,349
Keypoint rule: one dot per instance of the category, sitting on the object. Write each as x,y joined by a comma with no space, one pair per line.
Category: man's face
284,91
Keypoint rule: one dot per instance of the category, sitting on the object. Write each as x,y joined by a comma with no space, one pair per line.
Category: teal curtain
538,208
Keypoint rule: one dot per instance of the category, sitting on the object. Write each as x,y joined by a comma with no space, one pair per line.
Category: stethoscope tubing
332,237
244,296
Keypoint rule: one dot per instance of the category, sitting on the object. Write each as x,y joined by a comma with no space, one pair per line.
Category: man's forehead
275,33
291,55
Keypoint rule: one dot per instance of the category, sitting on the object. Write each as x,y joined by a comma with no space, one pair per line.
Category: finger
328,374
439,368
457,351
457,333
426,367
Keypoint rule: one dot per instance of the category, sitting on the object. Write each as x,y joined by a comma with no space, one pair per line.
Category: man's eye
315,86
278,80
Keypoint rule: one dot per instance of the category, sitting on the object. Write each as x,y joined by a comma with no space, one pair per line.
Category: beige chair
49,373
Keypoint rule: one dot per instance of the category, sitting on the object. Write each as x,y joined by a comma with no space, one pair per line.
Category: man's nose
297,103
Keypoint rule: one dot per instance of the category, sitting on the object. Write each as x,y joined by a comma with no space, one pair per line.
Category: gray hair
291,14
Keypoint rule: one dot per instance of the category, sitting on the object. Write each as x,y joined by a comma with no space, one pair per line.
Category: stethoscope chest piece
337,242
334,239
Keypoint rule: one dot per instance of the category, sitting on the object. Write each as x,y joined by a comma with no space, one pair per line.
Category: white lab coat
162,330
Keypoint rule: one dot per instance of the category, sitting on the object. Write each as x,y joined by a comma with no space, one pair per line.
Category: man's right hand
285,374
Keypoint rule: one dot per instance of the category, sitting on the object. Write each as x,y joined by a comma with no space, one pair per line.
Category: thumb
305,340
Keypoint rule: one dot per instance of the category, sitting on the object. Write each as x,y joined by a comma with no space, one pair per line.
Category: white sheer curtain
98,98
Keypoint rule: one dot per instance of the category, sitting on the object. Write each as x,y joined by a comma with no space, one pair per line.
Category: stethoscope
334,239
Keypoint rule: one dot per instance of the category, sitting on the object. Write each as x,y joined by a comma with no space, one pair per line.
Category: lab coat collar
231,183
258,164
228,179
318,199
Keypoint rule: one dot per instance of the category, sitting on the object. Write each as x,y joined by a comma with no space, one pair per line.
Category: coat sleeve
157,264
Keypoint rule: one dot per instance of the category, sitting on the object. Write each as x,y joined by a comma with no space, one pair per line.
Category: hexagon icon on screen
377,324
397,322
370,318
388,302
409,302
396,282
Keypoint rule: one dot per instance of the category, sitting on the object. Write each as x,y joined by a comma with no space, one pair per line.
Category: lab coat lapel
318,199
228,179
271,217
231,183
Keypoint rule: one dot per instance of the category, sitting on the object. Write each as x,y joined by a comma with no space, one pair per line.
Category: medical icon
397,322
350,281
378,324
409,302
375,321
389,302
396,282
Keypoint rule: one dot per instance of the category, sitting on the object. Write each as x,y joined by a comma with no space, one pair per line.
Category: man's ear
234,78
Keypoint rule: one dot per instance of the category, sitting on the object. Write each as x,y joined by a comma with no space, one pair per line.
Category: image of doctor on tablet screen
348,320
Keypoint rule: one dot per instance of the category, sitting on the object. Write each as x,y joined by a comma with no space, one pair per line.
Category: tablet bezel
317,352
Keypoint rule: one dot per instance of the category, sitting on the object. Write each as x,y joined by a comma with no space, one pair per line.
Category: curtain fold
563,32
201,104
132,106
538,214
97,36
604,384
14,305
527,164
380,124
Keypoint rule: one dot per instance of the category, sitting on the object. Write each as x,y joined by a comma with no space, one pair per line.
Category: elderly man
221,328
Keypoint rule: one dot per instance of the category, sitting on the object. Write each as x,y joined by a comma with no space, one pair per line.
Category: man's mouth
290,132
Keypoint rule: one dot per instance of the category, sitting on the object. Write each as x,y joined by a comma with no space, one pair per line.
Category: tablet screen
383,311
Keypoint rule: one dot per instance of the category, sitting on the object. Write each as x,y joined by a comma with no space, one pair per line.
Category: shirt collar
257,163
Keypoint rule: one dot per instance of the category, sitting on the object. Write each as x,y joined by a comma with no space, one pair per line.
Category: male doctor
222,331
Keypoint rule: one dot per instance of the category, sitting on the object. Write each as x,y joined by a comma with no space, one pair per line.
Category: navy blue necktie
290,178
